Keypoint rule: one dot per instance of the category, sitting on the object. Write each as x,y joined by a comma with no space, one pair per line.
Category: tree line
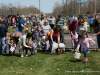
11,9
70,7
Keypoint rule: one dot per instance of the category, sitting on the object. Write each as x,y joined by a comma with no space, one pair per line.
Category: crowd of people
45,32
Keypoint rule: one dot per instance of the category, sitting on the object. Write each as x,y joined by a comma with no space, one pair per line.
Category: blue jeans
5,47
84,51
2,45
98,41
24,48
50,48
14,28
17,24
91,26
62,35
43,46
34,51
9,24
21,30
10,51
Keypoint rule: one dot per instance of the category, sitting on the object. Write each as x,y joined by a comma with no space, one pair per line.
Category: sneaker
86,59
88,51
22,56
26,55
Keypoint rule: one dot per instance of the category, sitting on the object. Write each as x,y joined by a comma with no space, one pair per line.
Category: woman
45,28
16,36
97,32
24,41
35,33
54,37
80,28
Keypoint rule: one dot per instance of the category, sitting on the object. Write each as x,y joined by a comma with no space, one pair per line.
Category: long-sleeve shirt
23,40
80,29
72,26
34,44
84,42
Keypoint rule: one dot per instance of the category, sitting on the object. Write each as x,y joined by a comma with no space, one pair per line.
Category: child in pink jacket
85,44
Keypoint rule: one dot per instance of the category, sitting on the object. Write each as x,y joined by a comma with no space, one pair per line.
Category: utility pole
66,7
95,6
39,8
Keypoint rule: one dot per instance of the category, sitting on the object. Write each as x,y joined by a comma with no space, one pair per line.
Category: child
27,29
85,44
62,46
11,44
33,45
43,43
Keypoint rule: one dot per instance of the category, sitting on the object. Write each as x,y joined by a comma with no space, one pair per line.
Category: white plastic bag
12,49
61,45
77,55
65,28
55,45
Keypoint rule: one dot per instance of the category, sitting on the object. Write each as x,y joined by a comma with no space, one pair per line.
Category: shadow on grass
75,61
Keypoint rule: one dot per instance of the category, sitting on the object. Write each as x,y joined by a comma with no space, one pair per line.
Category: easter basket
77,55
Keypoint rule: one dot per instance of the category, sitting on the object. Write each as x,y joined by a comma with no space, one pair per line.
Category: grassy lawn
45,64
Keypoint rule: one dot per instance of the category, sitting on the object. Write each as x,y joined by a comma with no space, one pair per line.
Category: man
21,24
3,38
62,24
17,21
70,20
91,23
3,22
72,28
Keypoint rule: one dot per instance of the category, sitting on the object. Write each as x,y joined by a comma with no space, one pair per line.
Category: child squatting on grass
85,44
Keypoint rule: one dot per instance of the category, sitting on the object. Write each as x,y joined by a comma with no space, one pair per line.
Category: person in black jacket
3,21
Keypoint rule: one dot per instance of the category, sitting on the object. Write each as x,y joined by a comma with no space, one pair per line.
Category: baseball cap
75,19
59,15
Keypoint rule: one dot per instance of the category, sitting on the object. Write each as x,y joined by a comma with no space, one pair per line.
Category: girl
11,44
33,45
85,44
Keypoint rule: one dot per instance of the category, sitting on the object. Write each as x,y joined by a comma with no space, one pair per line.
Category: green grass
9,65
10,30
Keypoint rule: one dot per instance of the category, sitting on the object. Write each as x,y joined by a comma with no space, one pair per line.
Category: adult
62,24
51,22
54,37
24,42
3,38
10,20
3,21
17,21
45,28
80,28
72,28
70,20
41,21
97,32
21,24
35,33
80,17
91,23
